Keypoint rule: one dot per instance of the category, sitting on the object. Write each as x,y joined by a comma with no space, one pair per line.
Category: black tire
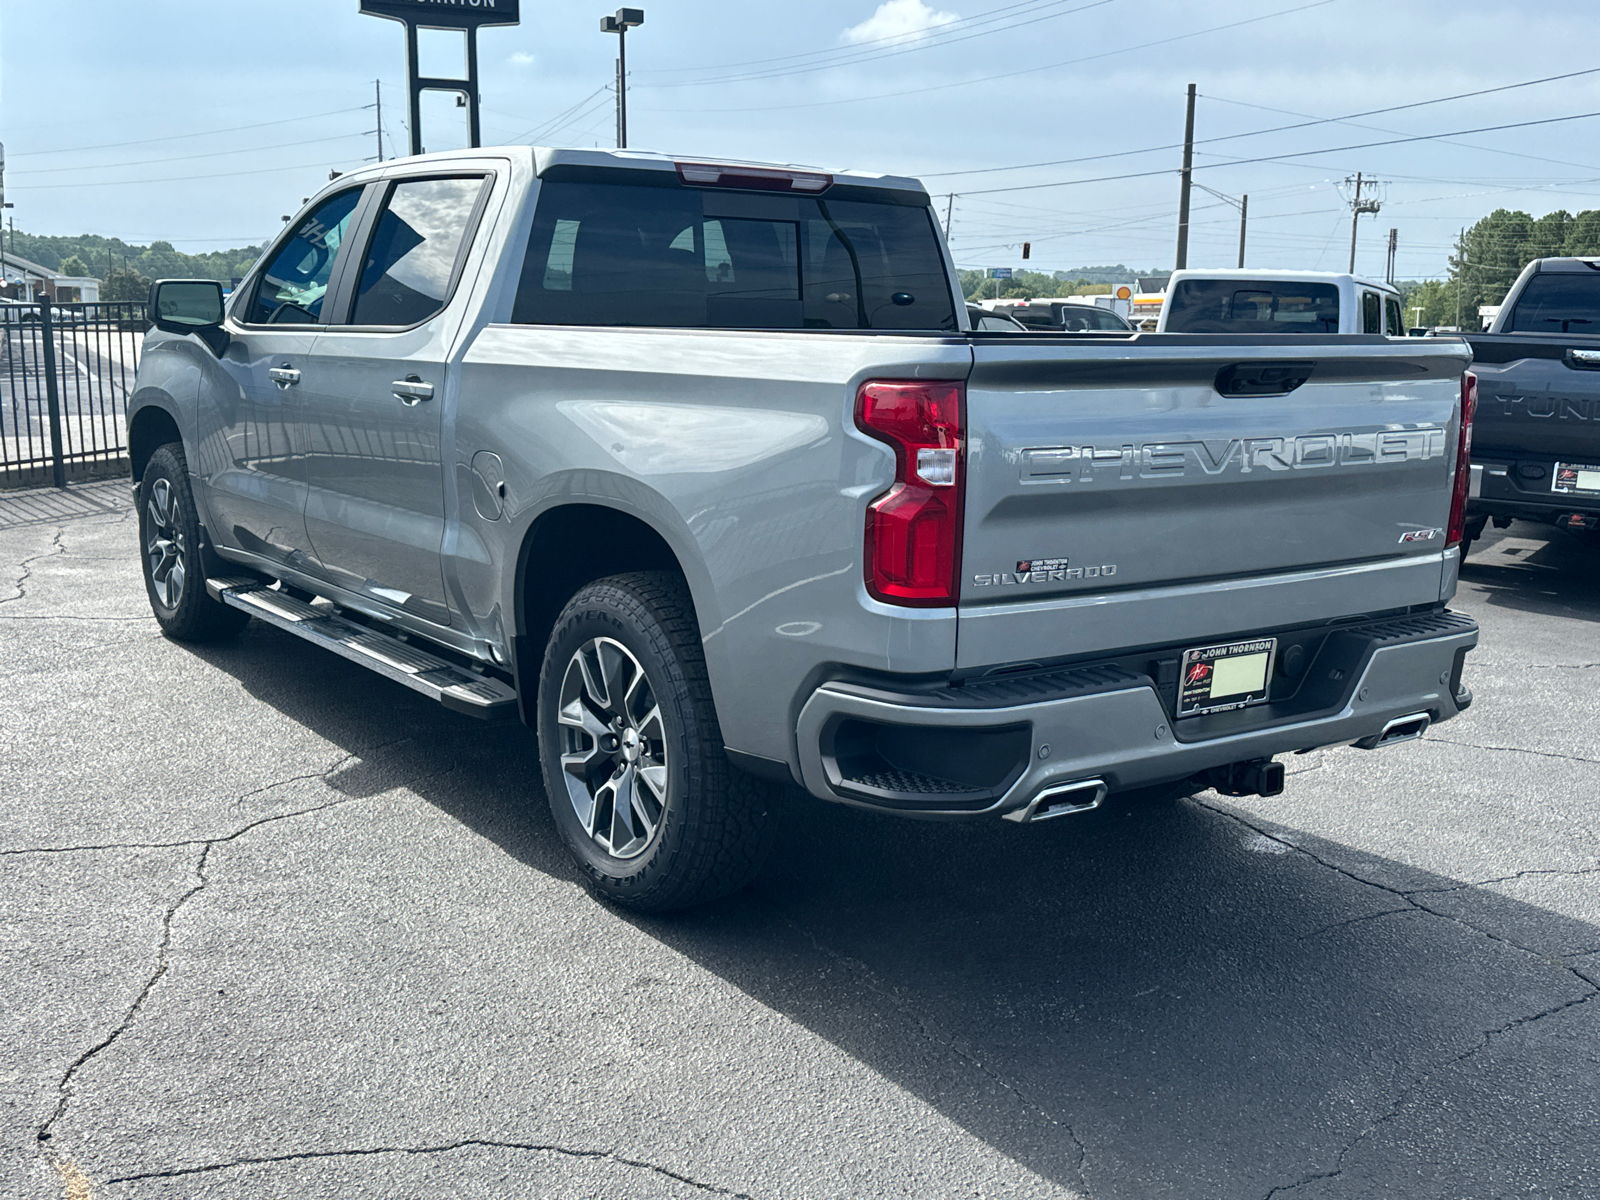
170,549
713,824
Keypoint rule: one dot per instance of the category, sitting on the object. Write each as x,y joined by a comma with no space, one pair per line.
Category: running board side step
454,687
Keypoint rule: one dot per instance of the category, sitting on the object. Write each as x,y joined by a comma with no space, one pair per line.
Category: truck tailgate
1538,395
1185,488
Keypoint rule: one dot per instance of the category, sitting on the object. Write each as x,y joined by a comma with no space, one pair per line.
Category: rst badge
1420,535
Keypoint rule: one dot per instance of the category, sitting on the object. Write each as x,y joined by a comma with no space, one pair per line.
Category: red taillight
1463,479
913,548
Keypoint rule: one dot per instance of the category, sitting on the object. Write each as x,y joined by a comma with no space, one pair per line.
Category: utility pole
1394,249
1461,269
1183,193
624,20
1357,207
378,84
1244,208
949,212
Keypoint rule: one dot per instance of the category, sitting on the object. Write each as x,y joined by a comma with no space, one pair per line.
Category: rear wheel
638,781
169,541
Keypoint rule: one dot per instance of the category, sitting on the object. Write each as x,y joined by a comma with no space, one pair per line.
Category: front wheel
169,540
638,781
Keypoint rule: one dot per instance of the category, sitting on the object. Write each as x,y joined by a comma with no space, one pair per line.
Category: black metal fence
66,371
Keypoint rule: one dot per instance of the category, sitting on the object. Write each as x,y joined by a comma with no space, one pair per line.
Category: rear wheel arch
565,549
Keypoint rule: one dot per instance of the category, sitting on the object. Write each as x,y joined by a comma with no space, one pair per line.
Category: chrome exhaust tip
1062,800
1401,729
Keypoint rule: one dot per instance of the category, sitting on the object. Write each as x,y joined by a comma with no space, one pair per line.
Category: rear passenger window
1394,323
630,254
1371,312
416,251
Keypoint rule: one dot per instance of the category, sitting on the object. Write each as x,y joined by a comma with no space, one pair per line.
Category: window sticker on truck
1576,479
1221,678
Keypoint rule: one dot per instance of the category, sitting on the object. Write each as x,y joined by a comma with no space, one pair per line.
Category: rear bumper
992,748
1521,489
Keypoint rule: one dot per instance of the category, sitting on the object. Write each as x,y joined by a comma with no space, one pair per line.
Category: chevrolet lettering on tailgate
1243,456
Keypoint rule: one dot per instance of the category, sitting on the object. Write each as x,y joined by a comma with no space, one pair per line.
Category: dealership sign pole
465,15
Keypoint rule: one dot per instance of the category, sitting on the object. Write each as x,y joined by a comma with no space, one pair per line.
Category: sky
204,122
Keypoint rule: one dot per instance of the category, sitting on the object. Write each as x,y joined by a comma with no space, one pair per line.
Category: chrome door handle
411,391
284,377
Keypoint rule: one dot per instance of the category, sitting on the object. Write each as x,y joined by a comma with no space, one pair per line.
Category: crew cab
1278,302
698,469
1536,446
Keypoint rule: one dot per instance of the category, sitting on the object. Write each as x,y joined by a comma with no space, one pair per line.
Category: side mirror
189,306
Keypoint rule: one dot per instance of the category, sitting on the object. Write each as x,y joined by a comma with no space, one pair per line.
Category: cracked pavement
274,926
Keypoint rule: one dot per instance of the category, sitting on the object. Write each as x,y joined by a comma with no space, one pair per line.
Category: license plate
1220,678
1576,479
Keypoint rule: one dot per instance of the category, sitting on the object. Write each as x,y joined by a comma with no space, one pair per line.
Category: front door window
294,282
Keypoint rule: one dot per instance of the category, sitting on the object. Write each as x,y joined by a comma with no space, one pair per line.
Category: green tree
102,255
1430,302
74,266
1026,285
123,283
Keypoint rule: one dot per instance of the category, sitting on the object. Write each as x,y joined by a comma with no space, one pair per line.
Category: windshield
632,254
1252,306
1558,302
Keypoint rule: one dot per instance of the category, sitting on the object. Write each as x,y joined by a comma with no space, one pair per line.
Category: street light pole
624,20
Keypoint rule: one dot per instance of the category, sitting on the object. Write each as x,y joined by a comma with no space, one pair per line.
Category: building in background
24,280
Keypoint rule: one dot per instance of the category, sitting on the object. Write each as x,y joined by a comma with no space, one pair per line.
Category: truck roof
1565,264
545,157
1284,276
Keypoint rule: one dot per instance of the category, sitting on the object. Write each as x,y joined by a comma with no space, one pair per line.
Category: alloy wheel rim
165,549
613,748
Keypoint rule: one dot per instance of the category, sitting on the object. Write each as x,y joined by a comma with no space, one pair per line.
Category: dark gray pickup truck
1536,440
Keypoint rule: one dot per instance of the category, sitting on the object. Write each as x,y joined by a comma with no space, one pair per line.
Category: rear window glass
624,254
1251,306
1558,302
1082,317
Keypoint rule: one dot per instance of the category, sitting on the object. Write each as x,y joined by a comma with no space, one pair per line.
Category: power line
1061,162
853,58
189,157
539,129
1424,137
206,133
897,38
938,87
45,187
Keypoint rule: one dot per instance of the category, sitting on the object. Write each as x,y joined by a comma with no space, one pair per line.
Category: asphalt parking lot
276,927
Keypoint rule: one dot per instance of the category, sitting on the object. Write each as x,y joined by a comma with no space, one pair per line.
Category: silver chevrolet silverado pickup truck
697,468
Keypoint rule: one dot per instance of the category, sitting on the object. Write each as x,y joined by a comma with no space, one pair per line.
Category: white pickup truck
699,469
1277,302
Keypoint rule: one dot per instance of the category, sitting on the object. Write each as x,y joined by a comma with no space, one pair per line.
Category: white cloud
523,59
899,18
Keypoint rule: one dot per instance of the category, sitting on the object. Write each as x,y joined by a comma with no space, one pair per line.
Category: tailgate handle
1263,378
1584,360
